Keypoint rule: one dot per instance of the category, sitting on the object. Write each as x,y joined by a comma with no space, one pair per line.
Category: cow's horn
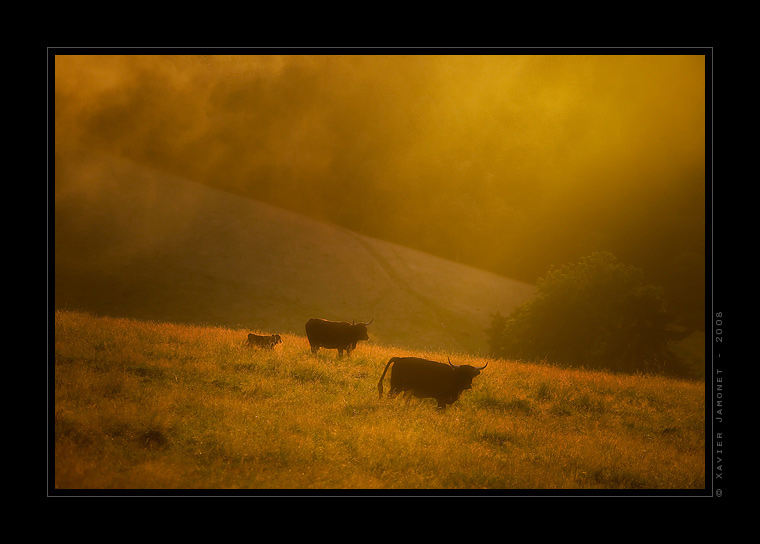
447,357
481,367
370,321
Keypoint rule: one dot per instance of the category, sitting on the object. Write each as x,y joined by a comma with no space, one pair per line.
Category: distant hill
131,241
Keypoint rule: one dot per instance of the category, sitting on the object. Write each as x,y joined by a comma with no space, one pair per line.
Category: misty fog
511,163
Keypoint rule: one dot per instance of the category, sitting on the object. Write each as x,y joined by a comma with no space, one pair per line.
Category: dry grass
145,405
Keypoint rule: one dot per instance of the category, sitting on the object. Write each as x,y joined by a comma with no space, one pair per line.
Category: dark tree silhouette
598,314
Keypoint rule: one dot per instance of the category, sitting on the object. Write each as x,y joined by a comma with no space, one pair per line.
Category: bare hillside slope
134,242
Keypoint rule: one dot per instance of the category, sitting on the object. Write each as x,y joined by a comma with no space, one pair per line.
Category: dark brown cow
429,379
338,335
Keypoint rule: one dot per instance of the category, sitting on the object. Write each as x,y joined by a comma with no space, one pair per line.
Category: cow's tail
380,383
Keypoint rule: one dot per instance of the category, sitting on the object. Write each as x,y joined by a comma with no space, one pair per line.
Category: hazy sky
570,119
509,162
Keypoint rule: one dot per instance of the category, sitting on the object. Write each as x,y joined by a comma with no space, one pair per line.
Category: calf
268,342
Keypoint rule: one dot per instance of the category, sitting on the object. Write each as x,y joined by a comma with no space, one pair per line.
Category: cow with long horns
338,335
429,379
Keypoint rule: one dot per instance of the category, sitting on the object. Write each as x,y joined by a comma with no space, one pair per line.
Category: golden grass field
160,406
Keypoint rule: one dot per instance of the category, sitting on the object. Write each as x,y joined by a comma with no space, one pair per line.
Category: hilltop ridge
131,241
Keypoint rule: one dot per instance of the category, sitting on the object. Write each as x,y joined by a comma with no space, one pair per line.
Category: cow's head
465,373
276,339
360,329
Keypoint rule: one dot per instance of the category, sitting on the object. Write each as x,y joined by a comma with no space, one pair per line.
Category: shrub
597,313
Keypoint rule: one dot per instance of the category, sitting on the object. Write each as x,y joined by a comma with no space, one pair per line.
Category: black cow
268,342
335,334
429,379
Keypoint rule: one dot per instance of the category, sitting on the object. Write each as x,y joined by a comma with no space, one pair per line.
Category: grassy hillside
150,405
135,242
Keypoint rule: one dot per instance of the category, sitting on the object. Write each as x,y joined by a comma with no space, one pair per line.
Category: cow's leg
340,353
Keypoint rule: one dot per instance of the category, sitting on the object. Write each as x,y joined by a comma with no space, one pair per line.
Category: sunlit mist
511,163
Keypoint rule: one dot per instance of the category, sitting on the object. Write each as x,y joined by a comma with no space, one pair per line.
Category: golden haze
512,163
